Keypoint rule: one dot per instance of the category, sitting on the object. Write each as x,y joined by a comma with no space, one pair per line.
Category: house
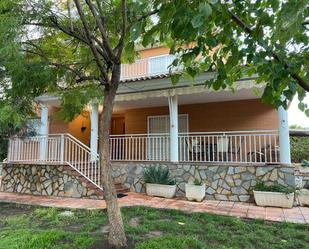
230,140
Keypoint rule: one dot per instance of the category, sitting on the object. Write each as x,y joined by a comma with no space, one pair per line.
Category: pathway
237,209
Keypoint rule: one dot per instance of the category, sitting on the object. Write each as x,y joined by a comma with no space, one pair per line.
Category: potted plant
303,195
274,195
159,182
195,191
305,163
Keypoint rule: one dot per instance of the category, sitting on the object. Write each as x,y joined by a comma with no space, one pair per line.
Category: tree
266,38
78,45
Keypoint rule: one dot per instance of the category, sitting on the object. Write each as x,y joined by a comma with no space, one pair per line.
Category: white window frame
167,116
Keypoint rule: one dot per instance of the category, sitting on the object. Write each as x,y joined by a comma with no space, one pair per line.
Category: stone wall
52,180
301,176
223,182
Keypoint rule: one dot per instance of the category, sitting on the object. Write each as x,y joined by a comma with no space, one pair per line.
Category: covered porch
185,124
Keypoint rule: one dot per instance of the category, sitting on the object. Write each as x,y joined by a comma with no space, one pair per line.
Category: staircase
64,149
120,189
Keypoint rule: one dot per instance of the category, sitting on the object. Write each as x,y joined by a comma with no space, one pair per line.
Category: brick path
244,210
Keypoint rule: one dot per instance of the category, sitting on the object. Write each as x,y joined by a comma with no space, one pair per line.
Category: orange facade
237,115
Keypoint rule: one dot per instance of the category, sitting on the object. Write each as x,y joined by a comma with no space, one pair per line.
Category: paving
227,208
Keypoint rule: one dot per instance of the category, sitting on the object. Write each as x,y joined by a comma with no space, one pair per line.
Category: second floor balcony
147,67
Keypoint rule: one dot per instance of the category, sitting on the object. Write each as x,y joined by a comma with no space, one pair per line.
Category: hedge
299,149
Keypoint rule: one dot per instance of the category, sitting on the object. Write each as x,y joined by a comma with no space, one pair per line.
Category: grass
24,227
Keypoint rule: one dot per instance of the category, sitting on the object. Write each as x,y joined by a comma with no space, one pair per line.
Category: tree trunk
117,237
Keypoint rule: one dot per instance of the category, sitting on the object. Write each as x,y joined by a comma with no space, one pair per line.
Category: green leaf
197,21
136,30
175,78
205,9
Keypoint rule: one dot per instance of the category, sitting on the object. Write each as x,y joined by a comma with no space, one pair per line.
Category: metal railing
58,149
147,67
229,147
140,147
216,147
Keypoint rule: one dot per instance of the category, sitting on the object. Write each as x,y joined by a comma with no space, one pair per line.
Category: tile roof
150,77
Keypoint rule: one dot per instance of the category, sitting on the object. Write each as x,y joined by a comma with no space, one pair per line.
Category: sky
297,117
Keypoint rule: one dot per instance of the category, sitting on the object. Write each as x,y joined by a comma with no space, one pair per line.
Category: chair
223,147
194,147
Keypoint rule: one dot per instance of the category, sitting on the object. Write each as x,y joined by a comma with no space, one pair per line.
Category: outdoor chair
195,148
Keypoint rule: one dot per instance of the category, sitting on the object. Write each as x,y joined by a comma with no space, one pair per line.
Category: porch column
94,130
173,108
43,131
284,136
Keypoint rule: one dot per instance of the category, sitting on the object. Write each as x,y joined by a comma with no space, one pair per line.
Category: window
161,124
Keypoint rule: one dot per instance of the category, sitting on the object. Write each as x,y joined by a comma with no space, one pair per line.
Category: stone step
119,187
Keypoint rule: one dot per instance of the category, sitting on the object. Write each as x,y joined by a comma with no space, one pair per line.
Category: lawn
28,227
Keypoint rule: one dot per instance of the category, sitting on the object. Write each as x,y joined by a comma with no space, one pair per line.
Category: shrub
197,182
299,149
158,175
305,163
260,186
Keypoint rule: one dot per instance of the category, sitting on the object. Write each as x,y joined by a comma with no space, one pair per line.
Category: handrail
57,148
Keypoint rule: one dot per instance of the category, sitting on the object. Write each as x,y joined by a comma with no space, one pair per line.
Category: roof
150,77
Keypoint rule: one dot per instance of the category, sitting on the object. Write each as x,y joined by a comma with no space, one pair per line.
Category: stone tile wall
223,182
52,180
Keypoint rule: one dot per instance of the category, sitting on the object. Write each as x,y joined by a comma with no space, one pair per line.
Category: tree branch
106,44
302,82
91,41
120,45
81,77
150,13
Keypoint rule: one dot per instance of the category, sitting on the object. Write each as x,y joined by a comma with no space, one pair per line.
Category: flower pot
303,197
273,199
167,191
195,192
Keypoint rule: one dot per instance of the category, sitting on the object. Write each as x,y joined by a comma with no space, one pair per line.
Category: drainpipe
173,109
284,136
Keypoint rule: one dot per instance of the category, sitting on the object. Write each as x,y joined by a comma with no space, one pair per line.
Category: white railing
57,149
231,147
140,147
147,67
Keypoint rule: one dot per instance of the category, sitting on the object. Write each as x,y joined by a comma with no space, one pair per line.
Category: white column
173,108
94,130
43,131
284,136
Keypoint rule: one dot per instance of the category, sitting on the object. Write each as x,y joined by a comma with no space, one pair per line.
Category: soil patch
153,234
9,209
104,245
134,222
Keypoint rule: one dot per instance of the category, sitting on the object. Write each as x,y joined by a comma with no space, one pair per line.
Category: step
119,187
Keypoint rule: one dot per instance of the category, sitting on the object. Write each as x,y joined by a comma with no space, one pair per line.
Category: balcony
147,67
